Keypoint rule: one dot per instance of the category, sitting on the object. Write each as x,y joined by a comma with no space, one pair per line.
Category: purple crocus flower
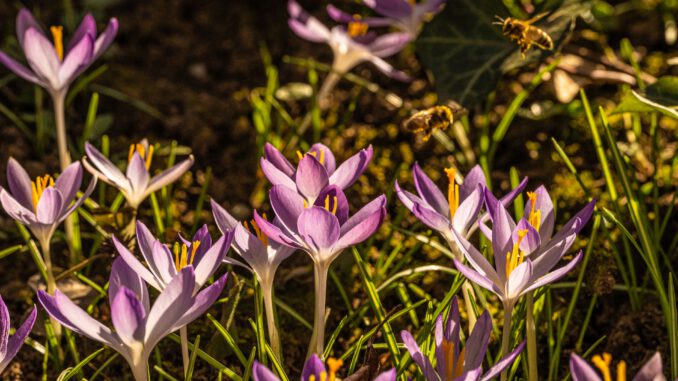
521,263
9,346
582,371
51,64
42,204
163,265
136,184
351,46
452,362
323,230
138,325
458,211
407,16
316,170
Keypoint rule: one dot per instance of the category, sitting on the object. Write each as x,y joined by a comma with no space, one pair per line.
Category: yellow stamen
300,155
181,256
333,210
357,28
516,256
534,218
311,377
257,231
459,368
58,34
452,191
305,204
314,154
333,365
603,363
38,187
621,371
139,148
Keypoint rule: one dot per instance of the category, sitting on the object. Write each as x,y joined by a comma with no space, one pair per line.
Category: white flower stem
51,282
468,296
531,333
317,344
140,371
183,333
273,337
506,335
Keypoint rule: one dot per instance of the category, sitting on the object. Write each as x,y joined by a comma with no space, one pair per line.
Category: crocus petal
76,319
504,363
552,255
519,279
545,207
311,177
250,248
531,240
555,274
365,212
87,27
222,218
287,205
327,198
19,183
468,210
123,275
652,370
137,174
475,258
85,195
202,302
25,21
104,169
429,192
77,58
477,278
430,6
389,375
42,57
407,198
473,178
422,361
476,344
169,307
313,366
304,25
20,70
48,208
390,8
472,375
169,176
431,218
127,315
388,70
325,156
389,44
4,328
134,263
318,228
350,170
106,38
581,370
362,230
577,222
338,15
278,160
209,262
15,209
502,231
17,340
157,255
275,233
275,175
262,373
69,182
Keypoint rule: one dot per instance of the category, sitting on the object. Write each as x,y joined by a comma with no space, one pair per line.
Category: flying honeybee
525,34
431,119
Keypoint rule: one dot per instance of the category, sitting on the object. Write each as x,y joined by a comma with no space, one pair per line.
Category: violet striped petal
4,328
76,60
504,363
311,177
104,169
275,233
429,191
106,38
275,175
169,176
122,275
15,209
390,8
170,306
313,367
477,259
137,174
350,170
389,375
279,161
211,260
325,156
389,70
374,206
545,207
69,181
19,183
42,57
222,218
431,218
473,178
87,27
476,344
422,361
25,21
287,205
554,275
581,370
318,228
20,335
389,44
127,315
202,302
49,206
519,280
477,278
652,370
327,198
304,25
262,373
467,212
137,266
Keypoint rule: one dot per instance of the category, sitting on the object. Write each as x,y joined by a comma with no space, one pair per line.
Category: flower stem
533,370
468,296
317,344
51,283
273,336
506,335
183,333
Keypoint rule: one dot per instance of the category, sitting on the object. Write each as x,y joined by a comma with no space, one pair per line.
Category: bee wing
536,18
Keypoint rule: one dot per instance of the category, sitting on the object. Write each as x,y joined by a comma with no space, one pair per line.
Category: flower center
321,157
357,28
516,256
58,35
602,362
453,369
38,186
452,191
256,230
182,257
534,218
146,155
